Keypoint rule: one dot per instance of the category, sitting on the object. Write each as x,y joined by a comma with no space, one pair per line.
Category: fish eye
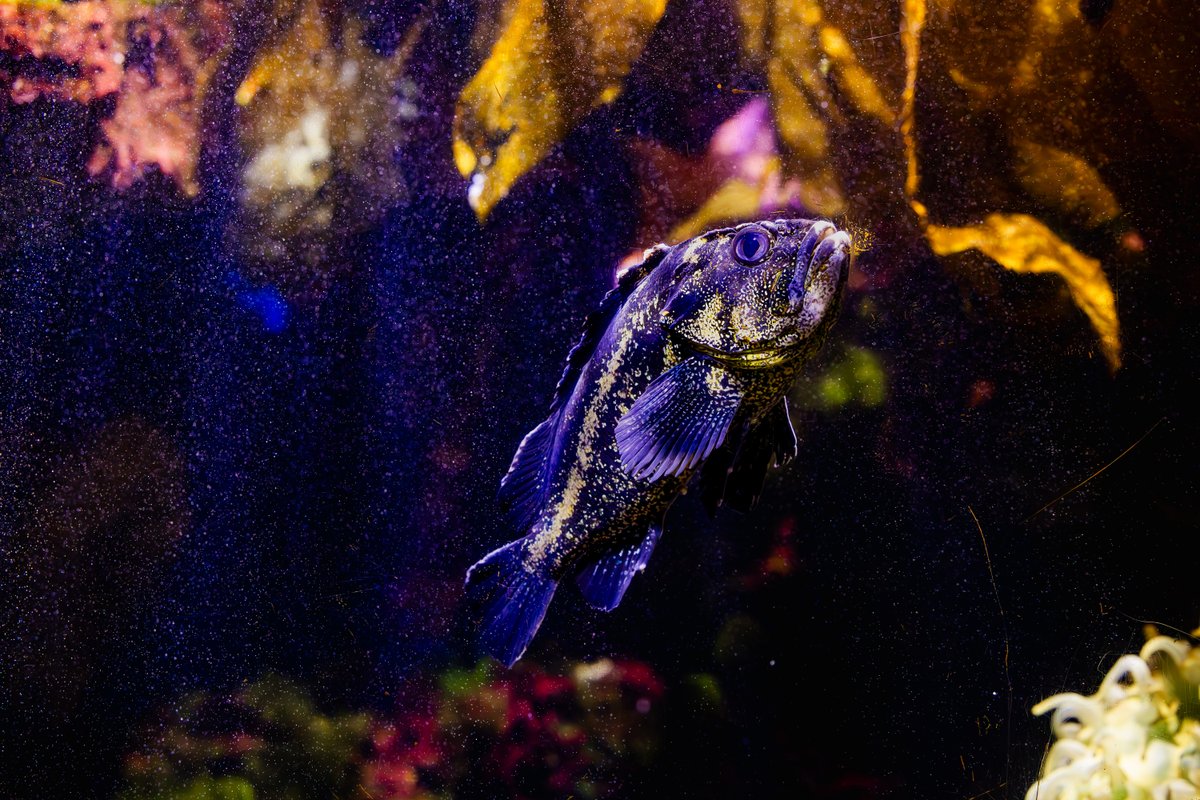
751,245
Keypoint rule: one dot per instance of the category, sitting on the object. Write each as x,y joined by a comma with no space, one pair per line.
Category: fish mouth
824,250
756,358
806,253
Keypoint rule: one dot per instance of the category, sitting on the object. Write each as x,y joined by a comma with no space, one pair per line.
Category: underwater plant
532,733
829,77
1136,738
266,741
527,733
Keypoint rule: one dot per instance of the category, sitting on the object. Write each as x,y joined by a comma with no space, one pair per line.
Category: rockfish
682,370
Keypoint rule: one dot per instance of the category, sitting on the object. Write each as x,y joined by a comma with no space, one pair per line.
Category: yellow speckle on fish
565,508
713,380
743,323
692,254
708,327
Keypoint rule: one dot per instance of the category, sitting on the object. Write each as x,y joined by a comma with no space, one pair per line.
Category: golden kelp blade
1023,244
805,143
1044,65
734,200
553,62
802,56
864,94
1065,182
911,25
1051,175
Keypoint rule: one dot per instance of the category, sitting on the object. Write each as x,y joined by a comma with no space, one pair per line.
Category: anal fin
746,479
604,583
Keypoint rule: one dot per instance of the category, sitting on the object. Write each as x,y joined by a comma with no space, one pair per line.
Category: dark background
202,480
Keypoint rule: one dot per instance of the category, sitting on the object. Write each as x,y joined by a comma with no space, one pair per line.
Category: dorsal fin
522,488
597,322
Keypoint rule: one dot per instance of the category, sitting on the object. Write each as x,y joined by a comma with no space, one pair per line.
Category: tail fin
512,598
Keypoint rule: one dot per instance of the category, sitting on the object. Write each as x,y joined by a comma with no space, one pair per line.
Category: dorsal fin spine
523,487
597,322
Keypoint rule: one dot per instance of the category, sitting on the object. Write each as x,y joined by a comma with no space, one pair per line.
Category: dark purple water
210,471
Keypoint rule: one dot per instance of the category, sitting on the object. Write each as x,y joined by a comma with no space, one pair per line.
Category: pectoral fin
679,420
736,474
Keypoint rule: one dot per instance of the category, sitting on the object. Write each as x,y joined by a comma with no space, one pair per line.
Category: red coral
539,750
154,60
637,678
401,752
526,734
66,52
545,687
155,121
779,562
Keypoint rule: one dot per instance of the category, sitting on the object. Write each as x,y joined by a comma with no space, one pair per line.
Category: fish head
759,294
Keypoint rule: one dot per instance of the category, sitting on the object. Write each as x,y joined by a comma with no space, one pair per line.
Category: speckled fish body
682,370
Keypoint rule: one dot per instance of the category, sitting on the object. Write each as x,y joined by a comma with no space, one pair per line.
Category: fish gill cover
283,284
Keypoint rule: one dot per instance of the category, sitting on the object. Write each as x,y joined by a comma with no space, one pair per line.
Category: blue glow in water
264,302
